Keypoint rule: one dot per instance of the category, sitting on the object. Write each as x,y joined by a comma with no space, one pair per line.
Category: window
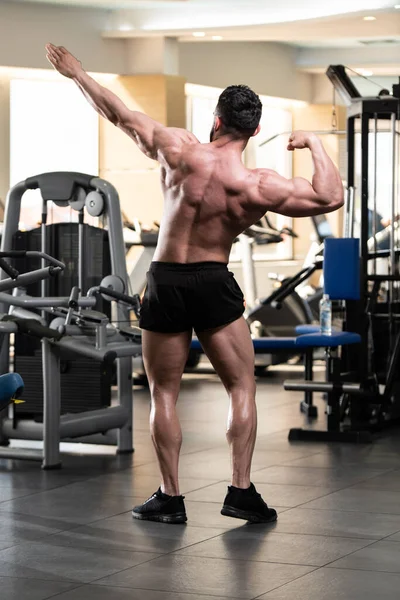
52,128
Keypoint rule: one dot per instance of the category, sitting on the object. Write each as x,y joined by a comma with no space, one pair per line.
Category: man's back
207,202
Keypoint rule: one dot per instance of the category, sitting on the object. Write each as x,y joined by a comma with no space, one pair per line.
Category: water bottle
325,315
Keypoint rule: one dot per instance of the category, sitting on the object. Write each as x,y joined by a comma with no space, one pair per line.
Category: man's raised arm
298,197
145,131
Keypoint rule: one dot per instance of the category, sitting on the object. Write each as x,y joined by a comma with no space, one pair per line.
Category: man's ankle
239,485
170,491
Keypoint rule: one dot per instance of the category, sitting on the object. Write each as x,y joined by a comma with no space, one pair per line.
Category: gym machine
12,384
78,333
363,382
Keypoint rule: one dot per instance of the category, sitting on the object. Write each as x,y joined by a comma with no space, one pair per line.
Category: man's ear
217,124
257,131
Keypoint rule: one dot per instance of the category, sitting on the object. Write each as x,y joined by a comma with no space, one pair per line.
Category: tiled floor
69,534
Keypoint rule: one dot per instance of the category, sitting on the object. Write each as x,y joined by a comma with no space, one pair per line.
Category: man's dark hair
239,109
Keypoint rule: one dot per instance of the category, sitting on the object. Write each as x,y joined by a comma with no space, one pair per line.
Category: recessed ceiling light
397,6
369,18
199,34
217,38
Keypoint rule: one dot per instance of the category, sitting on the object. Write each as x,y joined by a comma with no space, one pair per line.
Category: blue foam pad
336,339
342,268
274,343
309,340
195,345
11,385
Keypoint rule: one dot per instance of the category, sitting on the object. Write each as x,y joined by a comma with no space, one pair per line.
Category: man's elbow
337,201
332,202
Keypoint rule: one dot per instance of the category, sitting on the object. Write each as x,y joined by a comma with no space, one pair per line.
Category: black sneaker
247,505
162,508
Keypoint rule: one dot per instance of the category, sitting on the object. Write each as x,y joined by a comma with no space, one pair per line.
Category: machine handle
132,300
8,269
32,254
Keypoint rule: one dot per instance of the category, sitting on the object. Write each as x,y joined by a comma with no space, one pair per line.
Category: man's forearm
105,102
326,181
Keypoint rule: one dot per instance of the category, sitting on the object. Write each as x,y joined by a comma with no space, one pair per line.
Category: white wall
360,56
268,68
26,28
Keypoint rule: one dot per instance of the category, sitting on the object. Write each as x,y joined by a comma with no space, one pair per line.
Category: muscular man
210,198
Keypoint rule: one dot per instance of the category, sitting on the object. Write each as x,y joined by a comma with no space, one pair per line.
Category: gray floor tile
394,538
12,588
9,493
235,579
281,495
327,478
338,523
381,556
350,457
97,592
375,501
132,535
72,507
16,528
4,545
331,584
57,563
130,483
388,481
217,469
262,543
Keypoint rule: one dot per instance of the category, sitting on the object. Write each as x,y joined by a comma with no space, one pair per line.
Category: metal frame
55,427
368,110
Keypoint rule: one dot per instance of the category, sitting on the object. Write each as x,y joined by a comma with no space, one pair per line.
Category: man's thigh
231,352
165,356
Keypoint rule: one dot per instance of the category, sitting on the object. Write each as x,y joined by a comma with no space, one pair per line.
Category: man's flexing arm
298,197
149,135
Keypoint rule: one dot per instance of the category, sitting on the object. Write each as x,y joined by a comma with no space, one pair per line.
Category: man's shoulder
182,134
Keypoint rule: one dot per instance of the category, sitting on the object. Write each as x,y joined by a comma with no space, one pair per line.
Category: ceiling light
217,38
125,27
369,18
397,6
198,34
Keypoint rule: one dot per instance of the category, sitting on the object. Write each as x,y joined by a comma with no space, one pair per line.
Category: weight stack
85,383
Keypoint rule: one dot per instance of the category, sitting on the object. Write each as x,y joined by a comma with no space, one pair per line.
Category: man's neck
231,142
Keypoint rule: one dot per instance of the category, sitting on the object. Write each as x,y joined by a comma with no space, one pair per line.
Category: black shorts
181,297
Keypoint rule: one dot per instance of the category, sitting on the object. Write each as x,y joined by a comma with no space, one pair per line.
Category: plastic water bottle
325,315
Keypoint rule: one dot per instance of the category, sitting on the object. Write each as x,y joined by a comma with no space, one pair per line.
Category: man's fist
63,61
300,140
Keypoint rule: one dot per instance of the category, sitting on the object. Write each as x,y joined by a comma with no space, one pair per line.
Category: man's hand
300,140
63,61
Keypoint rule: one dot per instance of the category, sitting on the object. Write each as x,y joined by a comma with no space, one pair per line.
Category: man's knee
241,388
